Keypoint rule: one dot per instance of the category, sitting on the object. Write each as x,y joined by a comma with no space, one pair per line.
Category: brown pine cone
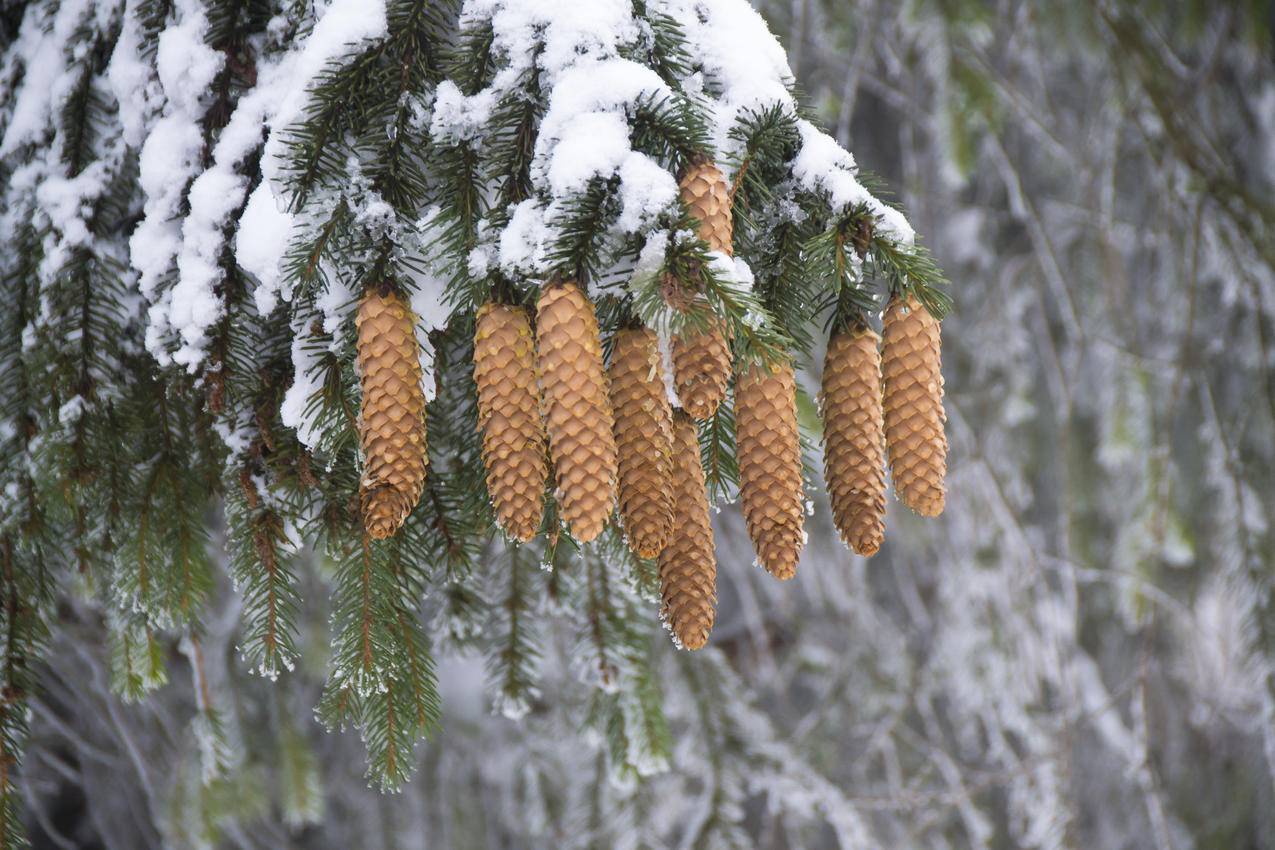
912,366
643,440
509,417
854,438
701,359
688,566
706,195
768,448
576,409
392,418
701,370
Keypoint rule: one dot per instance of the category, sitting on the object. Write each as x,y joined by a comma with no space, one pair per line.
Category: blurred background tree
1080,653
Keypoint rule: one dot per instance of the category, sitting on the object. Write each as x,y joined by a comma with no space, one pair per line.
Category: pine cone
706,195
688,568
701,370
576,409
854,438
701,359
392,419
768,447
911,363
643,440
509,417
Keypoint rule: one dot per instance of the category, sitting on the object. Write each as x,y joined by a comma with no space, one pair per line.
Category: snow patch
260,242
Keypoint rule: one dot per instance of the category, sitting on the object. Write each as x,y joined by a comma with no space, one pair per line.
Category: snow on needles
45,81
585,135
740,62
577,58
266,226
188,201
45,190
577,54
170,158
822,164
745,69
575,50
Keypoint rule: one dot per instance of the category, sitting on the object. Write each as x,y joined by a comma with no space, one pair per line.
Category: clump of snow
594,146
132,79
824,165
336,304
584,136
551,35
260,243
266,226
45,80
184,62
71,410
743,65
592,93
457,118
647,191
294,411
213,198
341,28
185,66
68,202
524,241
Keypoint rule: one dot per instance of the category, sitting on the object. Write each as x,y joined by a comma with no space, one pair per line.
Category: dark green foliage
514,656
819,260
717,453
163,568
137,659
454,518
382,677
261,562
361,107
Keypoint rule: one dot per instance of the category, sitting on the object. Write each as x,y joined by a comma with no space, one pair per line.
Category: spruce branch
514,656
263,572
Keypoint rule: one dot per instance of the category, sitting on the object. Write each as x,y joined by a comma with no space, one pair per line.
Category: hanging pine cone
392,418
688,567
509,417
911,363
701,370
768,447
643,440
854,438
707,197
577,411
701,358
